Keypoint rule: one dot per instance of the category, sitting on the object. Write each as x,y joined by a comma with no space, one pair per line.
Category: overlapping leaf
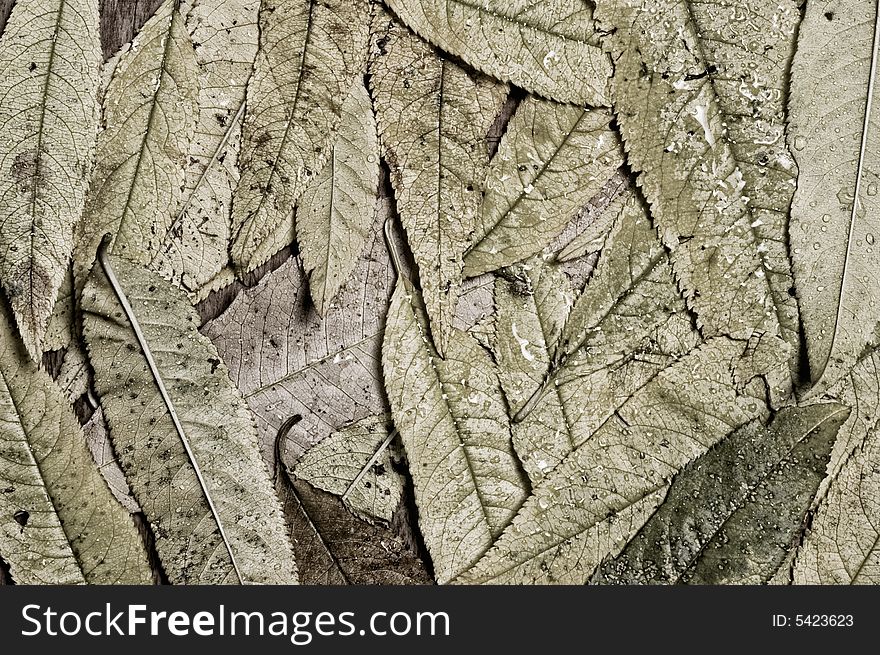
433,118
551,161
602,493
194,248
754,490
310,53
549,48
288,361
355,463
627,326
834,132
454,426
59,524
337,209
184,436
150,112
51,56
701,117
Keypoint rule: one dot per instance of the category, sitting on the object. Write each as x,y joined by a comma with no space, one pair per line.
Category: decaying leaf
753,490
310,53
834,137
59,524
454,426
150,110
701,117
433,119
551,161
184,436
337,208
355,464
549,48
602,493
50,54
335,548
288,361
194,248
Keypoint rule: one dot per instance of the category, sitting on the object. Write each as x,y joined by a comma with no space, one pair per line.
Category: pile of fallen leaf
440,290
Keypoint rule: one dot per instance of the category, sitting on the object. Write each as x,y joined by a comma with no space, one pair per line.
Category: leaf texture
51,55
288,361
552,160
704,131
834,137
433,119
150,111
754,489
202,508
310,53
59,524
337,209
605,490
454,426
627,326
356,464
549,48
194,248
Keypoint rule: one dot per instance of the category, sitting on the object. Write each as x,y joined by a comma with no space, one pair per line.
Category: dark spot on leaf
21,517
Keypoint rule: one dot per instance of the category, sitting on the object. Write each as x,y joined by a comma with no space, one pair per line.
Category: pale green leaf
150,111
454,426
191,458
549,47
194,248
700,108
355,463
602,493
337,209
433,119
551,161
733,515
310,53
59,524
628,325
834,132
51,57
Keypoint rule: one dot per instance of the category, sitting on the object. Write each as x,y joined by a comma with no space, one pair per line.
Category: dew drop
869,238
800,143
